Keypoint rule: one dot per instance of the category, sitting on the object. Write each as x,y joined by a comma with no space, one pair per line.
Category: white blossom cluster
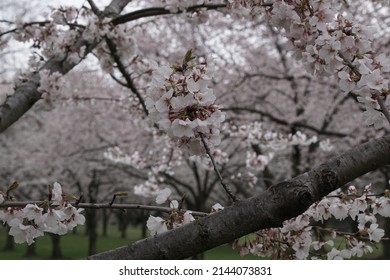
219,156
32,221
257,162
182,104
254,133
176,217
116,155
164,164
53,38
150,187
299,240
50,84
331,43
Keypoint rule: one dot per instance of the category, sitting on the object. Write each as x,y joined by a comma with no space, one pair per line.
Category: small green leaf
70,197
14,186
188,56
119,194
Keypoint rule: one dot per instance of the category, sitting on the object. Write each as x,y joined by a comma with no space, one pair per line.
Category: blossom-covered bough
27,222
181,103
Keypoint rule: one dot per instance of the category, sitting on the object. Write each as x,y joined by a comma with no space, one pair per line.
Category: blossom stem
224,185
383,106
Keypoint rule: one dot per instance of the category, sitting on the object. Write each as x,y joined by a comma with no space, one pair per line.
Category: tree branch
268,209
122,68
284,122
105,206
157,11
226,187
382,105
25,95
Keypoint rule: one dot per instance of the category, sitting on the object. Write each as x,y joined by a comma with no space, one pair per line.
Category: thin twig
122,68
226,187
343,233
7,204
382,105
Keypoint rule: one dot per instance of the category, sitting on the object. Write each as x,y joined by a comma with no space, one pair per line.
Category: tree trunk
106,216
144,230
386,243
56,252
9,241
30,251
122,223
91,221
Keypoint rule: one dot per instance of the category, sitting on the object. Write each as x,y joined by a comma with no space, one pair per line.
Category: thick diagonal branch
269,209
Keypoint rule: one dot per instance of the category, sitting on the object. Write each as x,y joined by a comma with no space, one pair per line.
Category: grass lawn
75,246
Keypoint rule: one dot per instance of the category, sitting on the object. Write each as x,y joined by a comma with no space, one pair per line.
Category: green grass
75,246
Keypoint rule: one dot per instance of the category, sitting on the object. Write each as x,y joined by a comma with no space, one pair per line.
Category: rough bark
269,209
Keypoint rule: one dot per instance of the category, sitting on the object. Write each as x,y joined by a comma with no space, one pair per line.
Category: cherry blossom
53,221
56,194
148,188
382,206
375,233
216,207
301,248
33,213
339,210
32,221
156,225
258,162
73,216
25,233
163,196
360,249
182,104
331,43
326,146
187,217
50,83
176,217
